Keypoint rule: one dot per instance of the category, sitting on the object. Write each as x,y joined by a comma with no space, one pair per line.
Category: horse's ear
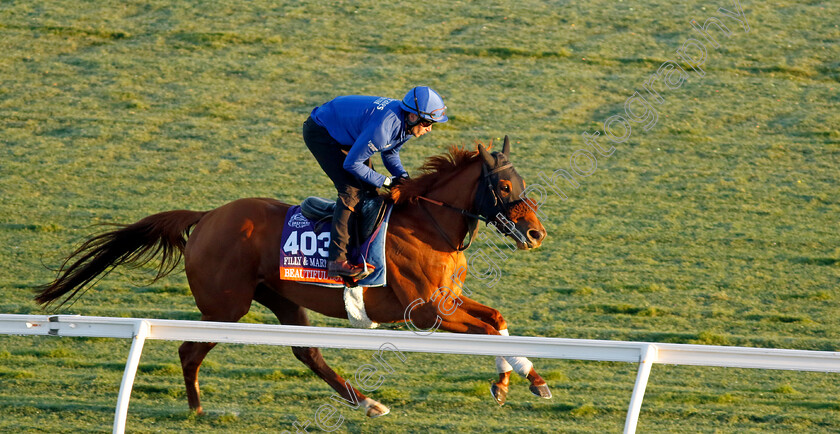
506,147
488,158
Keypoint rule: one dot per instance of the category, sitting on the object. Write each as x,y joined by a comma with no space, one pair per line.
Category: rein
456,209
472,223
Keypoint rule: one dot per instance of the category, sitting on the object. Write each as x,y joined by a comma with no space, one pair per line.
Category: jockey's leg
341,235
345,206
330,156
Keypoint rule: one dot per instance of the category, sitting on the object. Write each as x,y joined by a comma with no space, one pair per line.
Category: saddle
372,211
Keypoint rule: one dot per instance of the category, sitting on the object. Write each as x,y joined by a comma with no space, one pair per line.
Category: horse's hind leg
192,354
289,313
224,308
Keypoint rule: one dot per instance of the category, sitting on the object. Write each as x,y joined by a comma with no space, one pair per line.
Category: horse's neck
457,190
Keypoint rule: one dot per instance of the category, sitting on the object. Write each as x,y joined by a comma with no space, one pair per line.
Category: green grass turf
718,225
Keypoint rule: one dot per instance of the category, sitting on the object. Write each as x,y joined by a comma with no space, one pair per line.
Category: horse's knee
424,323
497,320
423,316
490,330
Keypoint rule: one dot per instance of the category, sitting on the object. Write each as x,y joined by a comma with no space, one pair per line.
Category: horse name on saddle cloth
305,247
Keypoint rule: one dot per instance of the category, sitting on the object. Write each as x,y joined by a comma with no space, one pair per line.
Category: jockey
345,132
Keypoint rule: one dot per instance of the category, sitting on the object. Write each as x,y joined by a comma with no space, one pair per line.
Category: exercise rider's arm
391,160
374,138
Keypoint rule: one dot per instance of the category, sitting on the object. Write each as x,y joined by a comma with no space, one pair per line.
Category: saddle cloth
305,247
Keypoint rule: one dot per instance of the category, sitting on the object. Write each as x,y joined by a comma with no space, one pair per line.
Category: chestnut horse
231,258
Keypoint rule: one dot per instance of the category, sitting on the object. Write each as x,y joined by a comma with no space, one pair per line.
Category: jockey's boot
337,264
346,269
340,238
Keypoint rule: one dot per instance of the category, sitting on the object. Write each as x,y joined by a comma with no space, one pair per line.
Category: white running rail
644,353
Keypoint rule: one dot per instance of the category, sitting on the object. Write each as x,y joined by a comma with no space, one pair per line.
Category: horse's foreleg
485,313
289,313
523,367
505,365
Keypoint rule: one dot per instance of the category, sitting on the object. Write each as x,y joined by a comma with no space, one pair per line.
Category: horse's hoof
499,393
375,409
541,391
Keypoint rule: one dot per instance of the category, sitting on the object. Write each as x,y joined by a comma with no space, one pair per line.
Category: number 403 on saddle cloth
305,251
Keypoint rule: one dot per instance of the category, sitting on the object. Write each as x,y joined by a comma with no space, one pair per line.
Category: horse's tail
136,244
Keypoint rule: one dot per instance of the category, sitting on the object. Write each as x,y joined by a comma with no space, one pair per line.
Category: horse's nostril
535,235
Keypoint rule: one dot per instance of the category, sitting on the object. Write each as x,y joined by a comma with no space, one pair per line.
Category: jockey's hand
397,180
394,181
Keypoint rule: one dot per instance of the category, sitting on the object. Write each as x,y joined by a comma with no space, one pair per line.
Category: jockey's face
421,127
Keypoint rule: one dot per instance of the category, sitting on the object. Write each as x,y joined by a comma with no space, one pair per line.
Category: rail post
141,332
647,357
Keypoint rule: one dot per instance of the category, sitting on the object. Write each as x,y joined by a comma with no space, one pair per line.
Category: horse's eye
506,188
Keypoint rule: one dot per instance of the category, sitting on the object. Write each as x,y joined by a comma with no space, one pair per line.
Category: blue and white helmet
426,103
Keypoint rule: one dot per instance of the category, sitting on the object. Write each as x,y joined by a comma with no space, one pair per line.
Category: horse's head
500,199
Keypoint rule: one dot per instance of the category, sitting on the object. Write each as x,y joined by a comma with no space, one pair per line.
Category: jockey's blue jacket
368,124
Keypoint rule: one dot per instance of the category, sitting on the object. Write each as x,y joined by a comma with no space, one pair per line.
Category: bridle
494,213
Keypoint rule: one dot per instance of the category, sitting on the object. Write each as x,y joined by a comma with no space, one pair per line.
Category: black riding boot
340,233
340,238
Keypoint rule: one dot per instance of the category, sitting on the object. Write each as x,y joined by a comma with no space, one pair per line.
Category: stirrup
353,281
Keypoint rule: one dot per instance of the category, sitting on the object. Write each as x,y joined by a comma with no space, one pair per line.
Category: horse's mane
433,170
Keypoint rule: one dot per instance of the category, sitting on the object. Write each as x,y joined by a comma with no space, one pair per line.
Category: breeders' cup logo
298,221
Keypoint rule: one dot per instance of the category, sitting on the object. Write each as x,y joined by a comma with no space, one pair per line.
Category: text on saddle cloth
305,247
